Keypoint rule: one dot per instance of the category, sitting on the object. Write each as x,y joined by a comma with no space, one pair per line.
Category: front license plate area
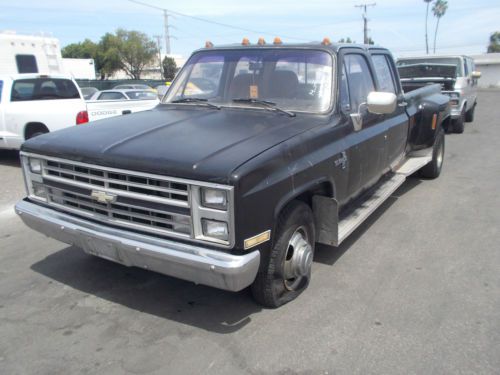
103,249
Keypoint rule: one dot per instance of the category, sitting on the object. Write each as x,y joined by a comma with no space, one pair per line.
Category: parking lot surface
415,290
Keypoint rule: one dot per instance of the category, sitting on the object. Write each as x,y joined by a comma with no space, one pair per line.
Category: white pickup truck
34,104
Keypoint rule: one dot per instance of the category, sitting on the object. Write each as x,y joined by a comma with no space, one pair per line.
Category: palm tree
439,9
428,2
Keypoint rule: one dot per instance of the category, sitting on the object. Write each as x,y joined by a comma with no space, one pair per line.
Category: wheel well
324,189
34,127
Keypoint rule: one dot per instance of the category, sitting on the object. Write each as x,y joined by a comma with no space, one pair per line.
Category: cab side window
359,78
384,74
466,68
345,101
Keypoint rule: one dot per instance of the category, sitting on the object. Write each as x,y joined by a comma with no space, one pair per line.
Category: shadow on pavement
10,158
329,254
166,297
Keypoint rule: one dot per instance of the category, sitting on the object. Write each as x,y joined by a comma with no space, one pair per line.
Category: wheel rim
298,259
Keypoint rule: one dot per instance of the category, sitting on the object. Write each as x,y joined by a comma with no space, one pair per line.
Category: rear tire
458,124
287,270
469,116
433,169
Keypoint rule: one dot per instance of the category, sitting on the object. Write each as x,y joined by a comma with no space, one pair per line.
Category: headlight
35,165
214,198
215,229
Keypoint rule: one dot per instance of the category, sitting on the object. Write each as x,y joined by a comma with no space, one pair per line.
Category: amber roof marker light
245,42
261,41
326,41
209,44
277,40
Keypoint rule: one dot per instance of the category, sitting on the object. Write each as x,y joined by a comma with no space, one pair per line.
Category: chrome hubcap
298,259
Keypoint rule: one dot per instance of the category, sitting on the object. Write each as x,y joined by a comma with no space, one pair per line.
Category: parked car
33,104
281,147
110,103
124,94
87,92
457,77
132,87
161,90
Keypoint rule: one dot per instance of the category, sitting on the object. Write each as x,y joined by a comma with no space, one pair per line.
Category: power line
200,19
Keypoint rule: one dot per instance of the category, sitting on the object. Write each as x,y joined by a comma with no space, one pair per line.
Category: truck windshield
293,80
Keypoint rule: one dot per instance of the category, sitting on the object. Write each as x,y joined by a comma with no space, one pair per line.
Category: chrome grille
118,181
154,204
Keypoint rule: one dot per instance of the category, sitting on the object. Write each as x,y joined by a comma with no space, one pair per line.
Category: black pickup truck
256,153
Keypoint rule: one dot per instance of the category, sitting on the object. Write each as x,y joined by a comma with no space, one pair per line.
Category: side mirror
476,75
381,103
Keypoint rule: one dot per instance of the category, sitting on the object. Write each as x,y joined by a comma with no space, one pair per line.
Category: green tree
169,68
83,50
439,9
105,56
108,56
428,2
134,49
346,40
370,40
494,45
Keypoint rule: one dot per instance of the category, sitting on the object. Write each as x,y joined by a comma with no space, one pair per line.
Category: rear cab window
385,74
111,96
43,89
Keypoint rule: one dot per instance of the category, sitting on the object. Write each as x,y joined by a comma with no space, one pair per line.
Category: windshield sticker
254,91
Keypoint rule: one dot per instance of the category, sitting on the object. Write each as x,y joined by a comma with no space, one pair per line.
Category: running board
412,165
333,229
357,216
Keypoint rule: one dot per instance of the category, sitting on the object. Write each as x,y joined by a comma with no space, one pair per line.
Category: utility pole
158,44
167,32
365,19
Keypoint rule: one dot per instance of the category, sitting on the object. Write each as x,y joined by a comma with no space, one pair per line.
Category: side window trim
368,63
391,72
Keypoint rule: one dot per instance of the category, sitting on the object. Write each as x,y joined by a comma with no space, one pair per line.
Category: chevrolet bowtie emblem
103,197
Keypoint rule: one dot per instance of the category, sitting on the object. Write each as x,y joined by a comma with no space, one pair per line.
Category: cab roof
330,47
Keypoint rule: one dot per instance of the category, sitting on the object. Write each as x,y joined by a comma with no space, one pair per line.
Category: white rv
29,54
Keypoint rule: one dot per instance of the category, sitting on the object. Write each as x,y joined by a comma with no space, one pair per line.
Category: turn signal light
82,117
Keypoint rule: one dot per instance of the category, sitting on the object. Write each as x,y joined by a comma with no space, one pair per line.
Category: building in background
489,66
80,68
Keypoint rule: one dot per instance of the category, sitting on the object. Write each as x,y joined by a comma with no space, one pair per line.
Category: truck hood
196,143
428,70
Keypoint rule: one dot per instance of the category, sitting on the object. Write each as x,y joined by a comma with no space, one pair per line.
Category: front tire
287,270
469,116
433,169
459,123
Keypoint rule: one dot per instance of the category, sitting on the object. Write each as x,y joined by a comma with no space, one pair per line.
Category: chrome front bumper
188,262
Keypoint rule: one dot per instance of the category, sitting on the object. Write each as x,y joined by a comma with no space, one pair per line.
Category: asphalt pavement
415,290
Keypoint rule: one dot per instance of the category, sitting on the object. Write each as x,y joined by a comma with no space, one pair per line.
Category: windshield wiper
272,106
196,100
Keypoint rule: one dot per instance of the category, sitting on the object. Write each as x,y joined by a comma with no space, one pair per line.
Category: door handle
126,112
